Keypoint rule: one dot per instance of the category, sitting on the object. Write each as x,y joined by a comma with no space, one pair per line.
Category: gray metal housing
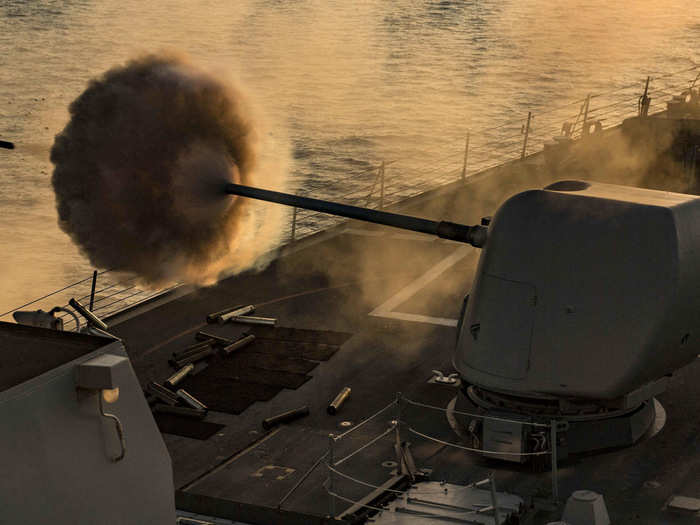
584,290
58,452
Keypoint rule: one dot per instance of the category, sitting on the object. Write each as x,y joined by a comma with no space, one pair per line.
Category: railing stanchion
526,131
398,419
585,113
644,100
331,477
466,158
494,500
92,291
381,193
553,446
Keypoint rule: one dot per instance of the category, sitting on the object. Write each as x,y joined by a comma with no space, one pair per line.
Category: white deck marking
386,309
417,318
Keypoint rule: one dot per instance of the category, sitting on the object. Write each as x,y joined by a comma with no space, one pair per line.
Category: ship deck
374,309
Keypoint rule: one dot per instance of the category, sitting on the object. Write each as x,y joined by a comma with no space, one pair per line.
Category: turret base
505,431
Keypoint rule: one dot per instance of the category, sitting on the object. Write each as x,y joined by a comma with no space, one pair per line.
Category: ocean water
338,87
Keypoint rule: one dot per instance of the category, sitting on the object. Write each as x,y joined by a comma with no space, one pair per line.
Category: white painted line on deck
416,318
386,309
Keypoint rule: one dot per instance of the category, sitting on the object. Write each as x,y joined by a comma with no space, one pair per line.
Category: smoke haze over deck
139,167
348,84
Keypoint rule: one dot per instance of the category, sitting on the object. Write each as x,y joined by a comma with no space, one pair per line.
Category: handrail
404,419
490,418
51,294
363,447
478,450
364,421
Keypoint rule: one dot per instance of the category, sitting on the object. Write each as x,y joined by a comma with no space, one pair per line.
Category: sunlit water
338,86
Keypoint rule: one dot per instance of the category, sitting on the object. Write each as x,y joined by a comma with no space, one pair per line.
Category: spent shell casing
161,393
236,313
212,339
338,401
190,400
193,358
87,314
181,411
249,319
214,317
238,344
191,349
178,376
285,417
179,357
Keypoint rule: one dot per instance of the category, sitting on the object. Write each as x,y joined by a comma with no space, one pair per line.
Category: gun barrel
474,235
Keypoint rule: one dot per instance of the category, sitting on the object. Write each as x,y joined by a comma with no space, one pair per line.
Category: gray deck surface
332,283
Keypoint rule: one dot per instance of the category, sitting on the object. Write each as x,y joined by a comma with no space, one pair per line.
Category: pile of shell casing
168,397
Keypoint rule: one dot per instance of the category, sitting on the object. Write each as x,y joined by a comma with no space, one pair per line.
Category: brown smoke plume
140,166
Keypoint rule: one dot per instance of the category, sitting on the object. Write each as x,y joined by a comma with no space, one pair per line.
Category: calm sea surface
338,86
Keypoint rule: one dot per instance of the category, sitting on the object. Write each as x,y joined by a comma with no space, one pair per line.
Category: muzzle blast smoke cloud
140,166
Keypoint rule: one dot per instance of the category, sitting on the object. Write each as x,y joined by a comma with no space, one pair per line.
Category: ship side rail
105,293
385,183
389,182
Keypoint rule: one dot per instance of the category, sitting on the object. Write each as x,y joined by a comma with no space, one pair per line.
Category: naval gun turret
584,303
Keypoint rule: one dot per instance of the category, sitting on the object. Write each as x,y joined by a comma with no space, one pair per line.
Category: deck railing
390,181
393,423
113,293
385,183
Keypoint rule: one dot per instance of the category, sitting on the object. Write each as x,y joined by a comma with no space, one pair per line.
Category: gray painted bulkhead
56,447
